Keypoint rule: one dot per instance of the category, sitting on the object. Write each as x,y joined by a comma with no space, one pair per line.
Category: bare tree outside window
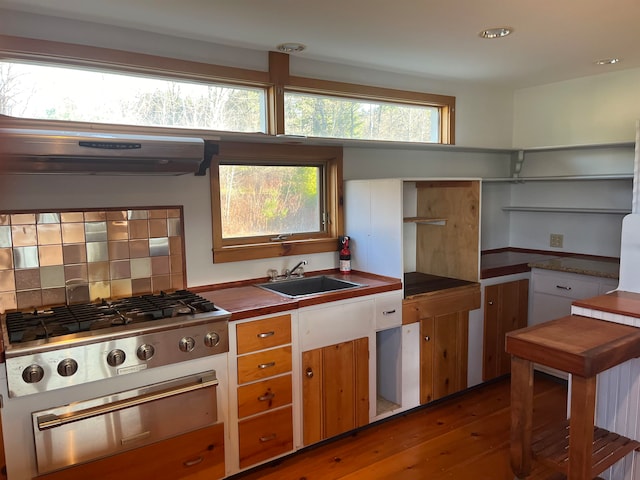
269,200
63,93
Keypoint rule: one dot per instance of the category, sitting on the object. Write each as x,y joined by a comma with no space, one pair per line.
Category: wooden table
583,347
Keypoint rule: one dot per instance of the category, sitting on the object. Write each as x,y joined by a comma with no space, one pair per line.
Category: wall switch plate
556,240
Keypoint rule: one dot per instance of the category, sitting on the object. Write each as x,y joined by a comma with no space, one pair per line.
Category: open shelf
425,220
551,448
614,211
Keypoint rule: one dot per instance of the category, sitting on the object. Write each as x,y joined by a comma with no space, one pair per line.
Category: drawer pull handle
266,334
562,287
268,438
267,397
427,338
266,365
195,461
309,372
389,312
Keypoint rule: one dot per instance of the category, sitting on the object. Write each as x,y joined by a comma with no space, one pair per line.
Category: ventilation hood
57,151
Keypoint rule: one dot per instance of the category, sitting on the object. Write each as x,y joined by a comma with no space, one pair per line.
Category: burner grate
23,326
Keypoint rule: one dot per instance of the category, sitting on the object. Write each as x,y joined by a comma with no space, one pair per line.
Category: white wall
597,109
594,234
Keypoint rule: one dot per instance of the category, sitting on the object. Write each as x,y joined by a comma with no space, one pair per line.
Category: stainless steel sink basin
299,287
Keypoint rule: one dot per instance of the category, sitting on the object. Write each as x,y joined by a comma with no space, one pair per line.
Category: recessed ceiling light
291,47
607,61
497,32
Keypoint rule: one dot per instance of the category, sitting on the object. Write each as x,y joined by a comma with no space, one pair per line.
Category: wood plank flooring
461,438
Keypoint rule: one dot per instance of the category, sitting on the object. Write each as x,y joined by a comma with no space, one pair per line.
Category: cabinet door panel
339,387
491,344
505,309
312,395
446,355
335,389
427,331
515,305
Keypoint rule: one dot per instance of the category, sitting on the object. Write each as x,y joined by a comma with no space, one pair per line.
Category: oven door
92,429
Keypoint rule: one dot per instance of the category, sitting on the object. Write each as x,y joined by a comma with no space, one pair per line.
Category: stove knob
211,339
145,351
33,374
187,344
116,357
67,367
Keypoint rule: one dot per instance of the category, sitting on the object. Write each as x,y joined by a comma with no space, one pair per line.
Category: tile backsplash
56,257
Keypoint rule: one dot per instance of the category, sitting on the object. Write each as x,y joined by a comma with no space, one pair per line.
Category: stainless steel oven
92,429
133,378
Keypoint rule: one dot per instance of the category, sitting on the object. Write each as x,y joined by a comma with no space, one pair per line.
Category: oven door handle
49,421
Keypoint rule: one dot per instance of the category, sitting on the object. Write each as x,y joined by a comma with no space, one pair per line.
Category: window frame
275,81
252,248
444,103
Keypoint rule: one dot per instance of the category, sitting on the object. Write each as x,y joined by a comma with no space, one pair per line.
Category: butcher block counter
245,300
583,347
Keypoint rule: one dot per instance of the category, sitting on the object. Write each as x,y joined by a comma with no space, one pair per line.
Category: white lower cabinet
553,292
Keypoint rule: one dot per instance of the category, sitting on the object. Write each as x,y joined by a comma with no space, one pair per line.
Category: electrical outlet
556,240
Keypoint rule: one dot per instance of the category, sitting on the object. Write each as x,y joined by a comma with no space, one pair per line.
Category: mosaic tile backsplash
58,257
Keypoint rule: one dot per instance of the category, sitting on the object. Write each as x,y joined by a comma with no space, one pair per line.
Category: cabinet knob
309,372
490,302
427,338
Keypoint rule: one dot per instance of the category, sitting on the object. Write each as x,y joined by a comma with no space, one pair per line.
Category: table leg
583,402
521,415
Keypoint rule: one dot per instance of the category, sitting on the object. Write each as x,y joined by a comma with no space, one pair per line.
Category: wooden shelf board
551,448
425,220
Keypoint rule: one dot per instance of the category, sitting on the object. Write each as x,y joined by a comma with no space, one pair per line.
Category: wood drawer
264,396
388,310
261,334
268,363
565,285
265,436
432,304
198,452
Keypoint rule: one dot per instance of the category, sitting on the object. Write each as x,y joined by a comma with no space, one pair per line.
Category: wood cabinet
264,389
506,307
197,455
444,333
335,389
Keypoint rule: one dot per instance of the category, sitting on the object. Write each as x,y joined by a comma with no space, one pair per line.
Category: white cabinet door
373,219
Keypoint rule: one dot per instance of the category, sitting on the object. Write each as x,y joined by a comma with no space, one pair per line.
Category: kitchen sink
299,287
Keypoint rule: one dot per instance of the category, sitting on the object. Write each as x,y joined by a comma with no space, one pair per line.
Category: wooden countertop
509,262
246,300
579,345
618,302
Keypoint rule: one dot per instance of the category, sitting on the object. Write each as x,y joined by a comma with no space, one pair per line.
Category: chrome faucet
290,273
272,273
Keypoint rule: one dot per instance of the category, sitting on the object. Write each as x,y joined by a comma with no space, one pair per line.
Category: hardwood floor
461,438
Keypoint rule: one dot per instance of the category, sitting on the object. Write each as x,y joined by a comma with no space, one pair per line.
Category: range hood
57,151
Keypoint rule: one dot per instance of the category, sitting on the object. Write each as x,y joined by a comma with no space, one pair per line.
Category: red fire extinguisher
345,256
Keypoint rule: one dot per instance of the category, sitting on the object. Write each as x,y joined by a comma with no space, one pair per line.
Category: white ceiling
553,40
